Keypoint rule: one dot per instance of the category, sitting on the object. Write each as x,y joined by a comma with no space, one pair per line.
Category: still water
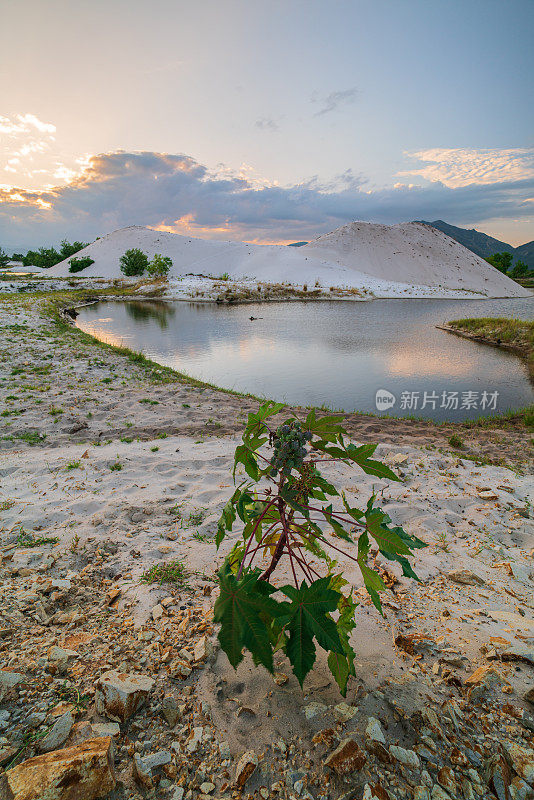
337,354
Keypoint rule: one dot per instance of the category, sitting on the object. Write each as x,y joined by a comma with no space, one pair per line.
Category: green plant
133,262
28,540
73,465
154,449
116,467
293,517
159,266
77,264
4,259
456,442
201,537
171,572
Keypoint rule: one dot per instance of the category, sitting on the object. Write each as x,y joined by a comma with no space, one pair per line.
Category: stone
466,576
8,680
82,772
519,790
81,731
439,794
407,757
343,712
143,766
59,658
421,793
195,738
376,792
522,759
119,695
347,757
486,676
207,787
374,731
447,779
58,735
245,767
170,708
178,793
313,710
497,775
529,696
157,612
519,652
203,649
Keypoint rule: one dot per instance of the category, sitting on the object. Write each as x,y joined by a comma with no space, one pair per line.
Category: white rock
374,731
407,757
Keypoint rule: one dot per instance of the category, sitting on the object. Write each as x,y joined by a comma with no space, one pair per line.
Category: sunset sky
264,121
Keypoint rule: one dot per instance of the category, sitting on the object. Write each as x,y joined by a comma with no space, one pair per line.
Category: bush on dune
134,262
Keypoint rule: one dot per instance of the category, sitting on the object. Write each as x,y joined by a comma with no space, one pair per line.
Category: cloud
334,100
27,147
267,124
175,192
456,167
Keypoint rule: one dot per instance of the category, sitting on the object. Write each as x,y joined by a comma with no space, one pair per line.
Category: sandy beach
124,467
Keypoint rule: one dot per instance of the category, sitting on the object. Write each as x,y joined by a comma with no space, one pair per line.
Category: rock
374,731
446,778
119,695
59,658
465,576
81,731
143,767
170,708
498,777
313,710
343,712
485,677
83,772
347,757
519,652
529,696
245,767
406,757
58,735
376,792
280,678
519,790
8,680
439,794
421,793
522,759
195,738
207,787
157,612
203,649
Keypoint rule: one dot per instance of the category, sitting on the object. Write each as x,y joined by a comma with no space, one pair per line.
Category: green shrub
77,264
159,266
134,262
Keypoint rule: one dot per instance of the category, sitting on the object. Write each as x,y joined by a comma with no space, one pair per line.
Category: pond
337,354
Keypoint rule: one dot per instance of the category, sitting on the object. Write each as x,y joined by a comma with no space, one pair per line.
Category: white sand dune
388,261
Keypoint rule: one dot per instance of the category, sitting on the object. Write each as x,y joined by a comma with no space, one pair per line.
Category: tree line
503,262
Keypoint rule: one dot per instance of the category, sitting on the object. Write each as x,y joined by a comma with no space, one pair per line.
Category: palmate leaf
360,456
242,608
305,617
243,455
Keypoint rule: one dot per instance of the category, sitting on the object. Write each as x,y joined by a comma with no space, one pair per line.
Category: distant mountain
526,253
482,244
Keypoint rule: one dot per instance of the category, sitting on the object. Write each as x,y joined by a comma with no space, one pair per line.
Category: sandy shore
126,468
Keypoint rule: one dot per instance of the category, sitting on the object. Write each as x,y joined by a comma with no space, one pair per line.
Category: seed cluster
289,444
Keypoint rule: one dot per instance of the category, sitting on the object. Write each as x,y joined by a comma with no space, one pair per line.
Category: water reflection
143,311
337,354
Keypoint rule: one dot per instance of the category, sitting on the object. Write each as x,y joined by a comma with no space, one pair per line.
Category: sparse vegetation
171,572
79,264
159,266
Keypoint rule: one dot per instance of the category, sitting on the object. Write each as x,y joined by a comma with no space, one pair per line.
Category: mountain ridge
481,244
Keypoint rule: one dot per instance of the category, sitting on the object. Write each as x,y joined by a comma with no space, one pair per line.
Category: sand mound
412,253
383,259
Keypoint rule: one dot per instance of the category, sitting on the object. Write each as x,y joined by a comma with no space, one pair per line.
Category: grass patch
29,540
171,572
73,465
514,334
5,505
456,442
116,467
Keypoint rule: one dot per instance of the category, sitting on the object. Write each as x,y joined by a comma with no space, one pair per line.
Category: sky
264,121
